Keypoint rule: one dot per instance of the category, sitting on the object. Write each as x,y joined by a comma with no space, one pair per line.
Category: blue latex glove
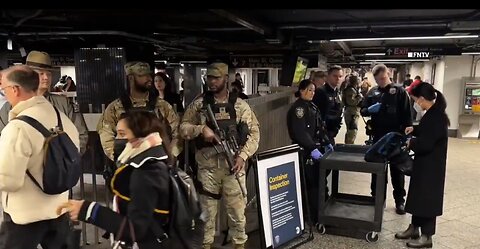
328,147
316,154
374,108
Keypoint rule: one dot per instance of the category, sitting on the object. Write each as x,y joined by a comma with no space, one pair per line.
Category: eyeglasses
2,89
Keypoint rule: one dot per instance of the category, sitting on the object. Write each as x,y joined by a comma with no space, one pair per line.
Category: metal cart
346,214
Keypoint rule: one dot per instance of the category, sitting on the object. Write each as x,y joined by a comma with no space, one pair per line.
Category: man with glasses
29,215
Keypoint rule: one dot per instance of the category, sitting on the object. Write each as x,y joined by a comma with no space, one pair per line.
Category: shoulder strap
208,99
33,180
232,98
35,124
152,101
126,102
59,119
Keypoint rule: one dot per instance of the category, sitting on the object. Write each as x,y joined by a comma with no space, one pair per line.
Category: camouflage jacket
62,104
352,99
108,123
194,121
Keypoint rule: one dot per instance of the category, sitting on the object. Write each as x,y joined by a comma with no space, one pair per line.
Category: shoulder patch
393,90
299,111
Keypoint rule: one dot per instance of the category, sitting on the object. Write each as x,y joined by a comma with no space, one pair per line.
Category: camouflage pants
351,121
216,178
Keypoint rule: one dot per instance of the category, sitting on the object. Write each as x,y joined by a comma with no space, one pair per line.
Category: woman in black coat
427,183
141,188
305,128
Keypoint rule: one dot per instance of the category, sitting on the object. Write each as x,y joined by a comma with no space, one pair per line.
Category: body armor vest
225,115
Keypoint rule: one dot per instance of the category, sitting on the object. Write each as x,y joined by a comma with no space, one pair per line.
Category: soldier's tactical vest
225,115
150,107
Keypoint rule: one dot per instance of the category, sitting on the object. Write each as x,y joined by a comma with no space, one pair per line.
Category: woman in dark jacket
427,183
306,129
140,185
164,86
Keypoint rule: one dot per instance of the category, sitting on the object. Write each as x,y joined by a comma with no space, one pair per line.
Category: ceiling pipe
21,21
372,26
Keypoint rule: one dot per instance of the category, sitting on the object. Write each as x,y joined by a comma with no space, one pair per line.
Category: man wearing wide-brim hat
42,64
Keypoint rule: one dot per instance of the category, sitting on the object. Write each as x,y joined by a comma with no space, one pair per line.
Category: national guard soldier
41,63
352,99
234,117
305,128
328,100
139,97
389,107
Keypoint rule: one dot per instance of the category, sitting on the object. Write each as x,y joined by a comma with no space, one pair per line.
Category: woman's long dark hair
168,84
428,92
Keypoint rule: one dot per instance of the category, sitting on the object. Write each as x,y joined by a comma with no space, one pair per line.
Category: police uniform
108,122
213,170
394,116
329,102
305,128
352,99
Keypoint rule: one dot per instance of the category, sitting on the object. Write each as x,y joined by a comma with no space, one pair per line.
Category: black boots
400,209
411,233
425,241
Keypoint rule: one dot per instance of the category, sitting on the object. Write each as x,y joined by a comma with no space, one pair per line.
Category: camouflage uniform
351,100
214,172
107,124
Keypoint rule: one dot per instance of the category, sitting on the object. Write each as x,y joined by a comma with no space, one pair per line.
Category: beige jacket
21,149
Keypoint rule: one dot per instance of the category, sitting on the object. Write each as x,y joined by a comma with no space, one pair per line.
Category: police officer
389,108
305,128
139,97
352,99
235,116
328,100
42,64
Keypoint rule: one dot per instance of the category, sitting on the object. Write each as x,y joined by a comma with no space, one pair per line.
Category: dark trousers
51,234
398,182
312,172
427,224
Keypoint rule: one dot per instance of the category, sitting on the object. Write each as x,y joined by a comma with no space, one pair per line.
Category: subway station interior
272,51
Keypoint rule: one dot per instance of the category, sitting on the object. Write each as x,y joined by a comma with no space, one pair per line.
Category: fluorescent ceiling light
408,38
374,54
9,44
404,60
385,62
470,53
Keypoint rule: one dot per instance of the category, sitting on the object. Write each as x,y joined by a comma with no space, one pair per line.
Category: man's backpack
185,208
61,162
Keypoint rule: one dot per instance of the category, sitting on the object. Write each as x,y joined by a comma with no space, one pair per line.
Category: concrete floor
458,228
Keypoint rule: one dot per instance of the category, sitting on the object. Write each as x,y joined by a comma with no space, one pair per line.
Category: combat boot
239,246
207,246
411,233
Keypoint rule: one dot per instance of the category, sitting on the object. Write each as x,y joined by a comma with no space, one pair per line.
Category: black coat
427,183
305,125
145,181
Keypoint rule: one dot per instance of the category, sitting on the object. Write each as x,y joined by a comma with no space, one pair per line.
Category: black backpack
61,162
185,206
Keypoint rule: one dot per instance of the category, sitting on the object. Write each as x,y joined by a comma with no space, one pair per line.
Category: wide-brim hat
39,60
